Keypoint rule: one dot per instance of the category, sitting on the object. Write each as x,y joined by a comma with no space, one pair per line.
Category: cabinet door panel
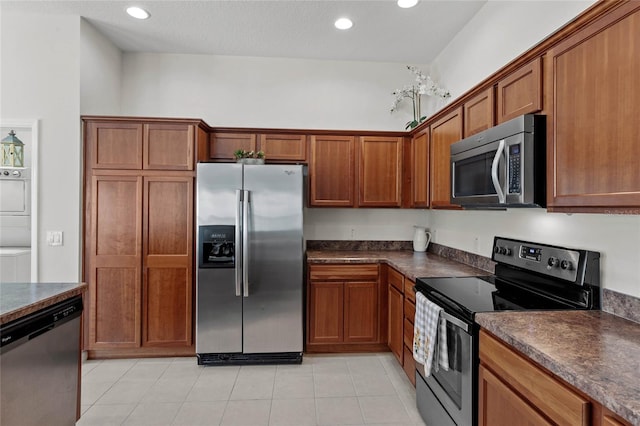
394,339
115,307
593,126
331,172
168,258
115,261
479,113
420,170
444,132
409,364
115,145
380,172
520,92
167,307
169,146
284,147
222,145
361,312
500,406
326,312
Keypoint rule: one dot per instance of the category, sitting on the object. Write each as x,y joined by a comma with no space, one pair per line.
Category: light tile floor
362,389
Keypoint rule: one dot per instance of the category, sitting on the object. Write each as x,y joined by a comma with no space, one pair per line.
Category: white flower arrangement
424,86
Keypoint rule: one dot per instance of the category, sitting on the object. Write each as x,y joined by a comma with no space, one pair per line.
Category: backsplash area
622,305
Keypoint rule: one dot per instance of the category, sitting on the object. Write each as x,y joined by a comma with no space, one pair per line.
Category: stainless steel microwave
501,167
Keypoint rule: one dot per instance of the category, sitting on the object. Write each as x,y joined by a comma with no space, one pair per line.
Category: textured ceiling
382,31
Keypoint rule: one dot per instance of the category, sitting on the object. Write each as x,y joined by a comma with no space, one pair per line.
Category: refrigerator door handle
238,243
245,243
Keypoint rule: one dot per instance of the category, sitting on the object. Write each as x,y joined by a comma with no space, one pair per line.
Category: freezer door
273,293
218,308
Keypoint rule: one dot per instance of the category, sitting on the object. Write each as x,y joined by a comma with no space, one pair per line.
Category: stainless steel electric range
528,276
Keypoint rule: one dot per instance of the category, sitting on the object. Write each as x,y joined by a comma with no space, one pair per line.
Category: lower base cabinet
515,391
344,309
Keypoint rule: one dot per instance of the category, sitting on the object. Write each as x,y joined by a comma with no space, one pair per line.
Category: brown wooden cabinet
138,248
501,406
222,145
444,132
128,145
380,171
512,387
167,289
592,126
520,92
284,147
395,282
344,308
115,262
418,162
479,113
332,171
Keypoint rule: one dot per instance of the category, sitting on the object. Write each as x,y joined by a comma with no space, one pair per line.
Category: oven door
446,397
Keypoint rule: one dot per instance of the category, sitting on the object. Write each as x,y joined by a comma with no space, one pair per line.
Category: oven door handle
455,321
494,172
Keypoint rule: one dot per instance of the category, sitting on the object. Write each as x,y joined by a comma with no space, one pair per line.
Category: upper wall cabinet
131,145
289,147
419,170
593,121
479,113
520,92
444,132
380,171
222,145
331,171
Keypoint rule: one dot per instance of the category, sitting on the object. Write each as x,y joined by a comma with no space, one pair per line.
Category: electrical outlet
54,238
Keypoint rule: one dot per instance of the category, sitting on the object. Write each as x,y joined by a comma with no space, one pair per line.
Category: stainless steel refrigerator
249,285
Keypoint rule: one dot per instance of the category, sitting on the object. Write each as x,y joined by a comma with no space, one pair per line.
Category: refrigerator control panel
216,246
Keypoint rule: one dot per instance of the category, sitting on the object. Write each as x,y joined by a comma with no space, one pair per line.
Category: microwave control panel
514,169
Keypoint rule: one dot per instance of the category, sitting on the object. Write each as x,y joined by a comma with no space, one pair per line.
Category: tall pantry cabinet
139,247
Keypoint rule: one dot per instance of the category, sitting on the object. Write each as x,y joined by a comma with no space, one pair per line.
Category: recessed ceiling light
137,12
407,3
343,24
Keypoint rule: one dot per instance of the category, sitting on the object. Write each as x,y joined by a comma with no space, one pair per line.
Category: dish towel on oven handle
429,336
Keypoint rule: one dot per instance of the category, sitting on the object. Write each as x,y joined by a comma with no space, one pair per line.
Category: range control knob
553,262
16,173
506,251
566,264
6,173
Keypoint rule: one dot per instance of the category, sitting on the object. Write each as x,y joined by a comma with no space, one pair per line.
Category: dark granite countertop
411,264
20,299
596,352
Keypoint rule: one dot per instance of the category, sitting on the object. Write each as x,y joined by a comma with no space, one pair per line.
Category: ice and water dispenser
217,246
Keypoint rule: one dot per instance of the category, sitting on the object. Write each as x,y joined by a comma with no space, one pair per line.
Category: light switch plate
54,238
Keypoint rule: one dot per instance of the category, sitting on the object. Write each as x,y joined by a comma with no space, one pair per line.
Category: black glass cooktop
465,296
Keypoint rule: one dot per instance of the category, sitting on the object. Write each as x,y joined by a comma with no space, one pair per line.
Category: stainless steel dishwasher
39,359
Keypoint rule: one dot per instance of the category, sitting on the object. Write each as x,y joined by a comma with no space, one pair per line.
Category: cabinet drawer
396,279
408,333
552,397
409,309
335,272
409,365
409,292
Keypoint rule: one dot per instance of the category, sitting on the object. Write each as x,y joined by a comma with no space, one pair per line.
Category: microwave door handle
494,172
238,243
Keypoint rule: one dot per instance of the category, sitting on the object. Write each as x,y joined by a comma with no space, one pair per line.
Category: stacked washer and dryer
15,224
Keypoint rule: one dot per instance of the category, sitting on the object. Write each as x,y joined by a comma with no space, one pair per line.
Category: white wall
100,73
265,92
39,77
362,224
497,34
